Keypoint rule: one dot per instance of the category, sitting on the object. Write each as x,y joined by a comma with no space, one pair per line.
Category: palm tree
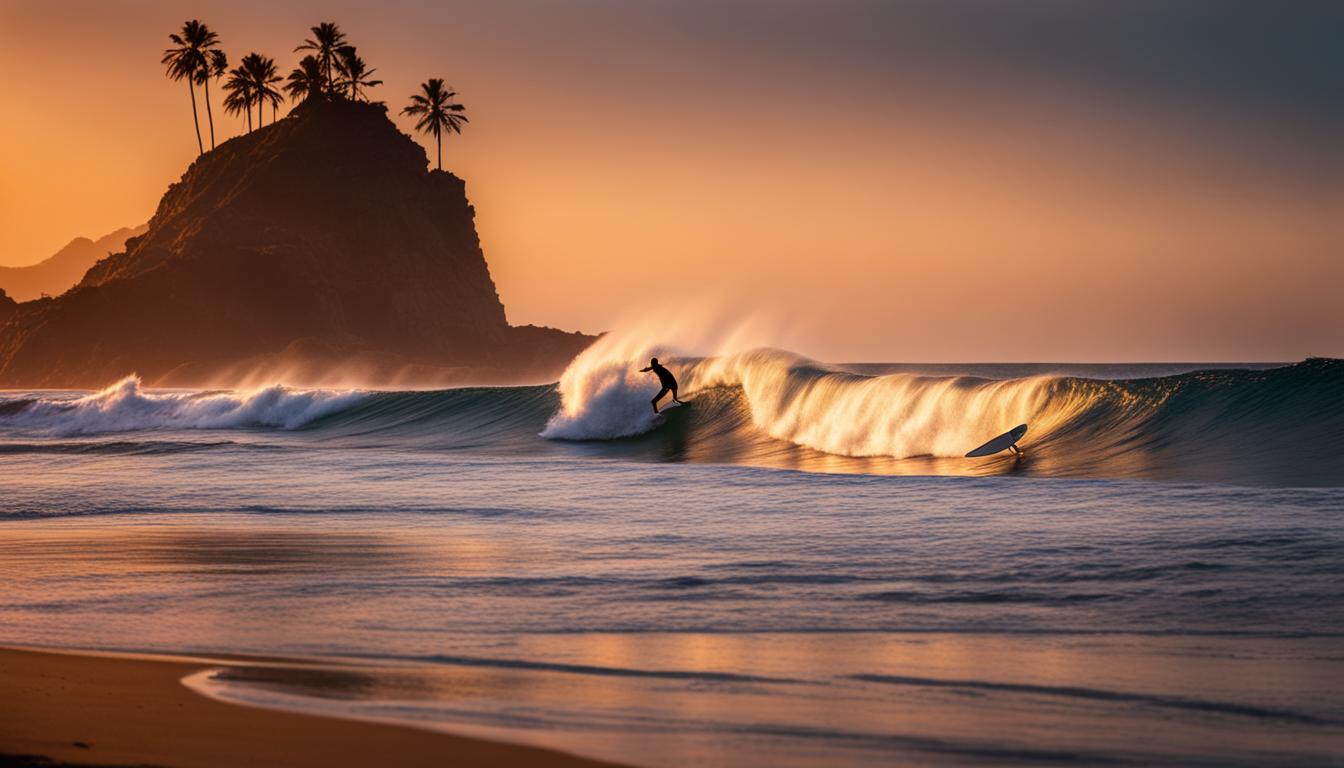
240,94
306,79
327,37
437,111
216,63
354,74
261,74
188,61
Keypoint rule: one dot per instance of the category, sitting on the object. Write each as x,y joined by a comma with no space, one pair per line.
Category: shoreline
74,708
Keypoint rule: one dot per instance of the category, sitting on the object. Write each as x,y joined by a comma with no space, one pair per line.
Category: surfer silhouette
666,379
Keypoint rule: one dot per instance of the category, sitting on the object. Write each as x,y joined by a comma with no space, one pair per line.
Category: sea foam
128,406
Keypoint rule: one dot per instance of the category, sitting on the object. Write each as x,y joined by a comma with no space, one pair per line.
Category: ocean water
798,567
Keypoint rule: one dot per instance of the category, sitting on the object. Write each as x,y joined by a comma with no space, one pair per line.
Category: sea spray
603,395
602,400
127,406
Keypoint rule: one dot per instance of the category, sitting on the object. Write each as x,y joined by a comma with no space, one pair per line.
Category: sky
944,180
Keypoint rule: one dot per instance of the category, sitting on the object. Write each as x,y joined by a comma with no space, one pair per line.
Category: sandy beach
96,710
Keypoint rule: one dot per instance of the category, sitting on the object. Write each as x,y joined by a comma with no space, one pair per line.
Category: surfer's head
654,361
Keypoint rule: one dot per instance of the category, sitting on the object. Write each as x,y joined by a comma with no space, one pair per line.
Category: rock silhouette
320,247
7,306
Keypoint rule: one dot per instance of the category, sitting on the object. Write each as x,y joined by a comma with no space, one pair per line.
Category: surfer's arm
645,370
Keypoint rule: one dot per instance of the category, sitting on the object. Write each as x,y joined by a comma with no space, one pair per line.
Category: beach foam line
1099,694
587,669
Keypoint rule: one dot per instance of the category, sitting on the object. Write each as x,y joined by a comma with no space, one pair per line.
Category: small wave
123,447
126,406
1096,694
588,669
989,597
11,407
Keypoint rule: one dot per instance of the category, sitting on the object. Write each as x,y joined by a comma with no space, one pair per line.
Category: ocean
798,568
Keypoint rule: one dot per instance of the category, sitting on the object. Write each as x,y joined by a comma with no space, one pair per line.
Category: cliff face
7,306
316,240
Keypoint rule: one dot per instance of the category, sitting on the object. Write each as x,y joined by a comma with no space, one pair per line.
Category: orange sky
928,186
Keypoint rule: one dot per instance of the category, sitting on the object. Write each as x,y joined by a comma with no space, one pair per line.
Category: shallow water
621,601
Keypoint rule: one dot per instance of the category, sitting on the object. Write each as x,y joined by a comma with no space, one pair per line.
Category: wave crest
897,415
806,403
766,407
126,406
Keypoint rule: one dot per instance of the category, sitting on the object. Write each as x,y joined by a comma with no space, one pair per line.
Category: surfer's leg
658,397
674,398
1016,450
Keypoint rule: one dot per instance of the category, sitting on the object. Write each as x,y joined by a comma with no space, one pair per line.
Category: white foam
795,399
899,415
127,406
604,397
602,393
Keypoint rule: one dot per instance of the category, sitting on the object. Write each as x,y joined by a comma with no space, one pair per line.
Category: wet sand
99,710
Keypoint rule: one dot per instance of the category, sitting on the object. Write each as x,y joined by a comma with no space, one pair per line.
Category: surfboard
1000,443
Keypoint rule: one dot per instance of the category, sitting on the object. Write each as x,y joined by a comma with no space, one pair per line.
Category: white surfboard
1001,443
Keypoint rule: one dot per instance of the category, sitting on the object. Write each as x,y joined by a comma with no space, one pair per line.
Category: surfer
666,379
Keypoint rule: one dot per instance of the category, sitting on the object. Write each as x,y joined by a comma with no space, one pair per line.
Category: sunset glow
665,383
870,172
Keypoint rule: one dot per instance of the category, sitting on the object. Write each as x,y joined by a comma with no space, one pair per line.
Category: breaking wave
766,407
795,399
126,407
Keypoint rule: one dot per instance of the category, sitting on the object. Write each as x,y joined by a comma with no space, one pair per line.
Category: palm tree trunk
249,119
194,118
209,114
438,144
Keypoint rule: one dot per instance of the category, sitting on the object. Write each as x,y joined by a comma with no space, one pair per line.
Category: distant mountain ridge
56,274
316,250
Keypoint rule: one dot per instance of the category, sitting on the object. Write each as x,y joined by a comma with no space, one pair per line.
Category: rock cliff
303,248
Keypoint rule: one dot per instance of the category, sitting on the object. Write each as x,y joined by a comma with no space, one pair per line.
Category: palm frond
355,75
306,80
327,39
436,110
193,57
238,87
219,62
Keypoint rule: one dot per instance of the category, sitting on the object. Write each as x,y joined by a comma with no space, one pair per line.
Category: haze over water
921,181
